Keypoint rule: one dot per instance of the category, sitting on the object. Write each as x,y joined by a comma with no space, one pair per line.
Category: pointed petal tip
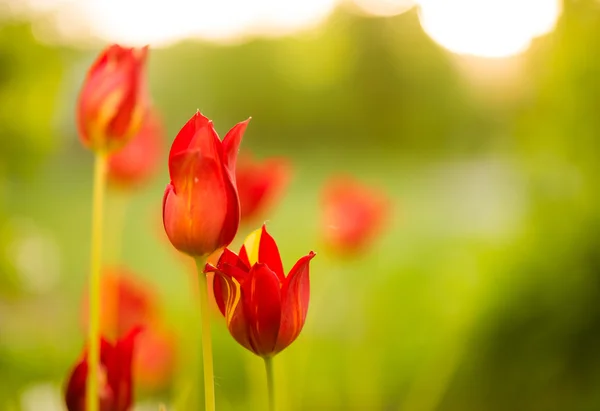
209,268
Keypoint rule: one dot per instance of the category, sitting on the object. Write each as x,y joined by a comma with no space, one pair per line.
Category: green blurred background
484,292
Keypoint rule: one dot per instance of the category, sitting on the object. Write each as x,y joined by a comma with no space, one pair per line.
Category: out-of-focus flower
138,160
128,303
264,310
116,380
113,99
201,210
260,184
154,359
354,214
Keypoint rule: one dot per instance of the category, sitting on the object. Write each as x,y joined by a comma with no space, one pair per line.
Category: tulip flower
155,357
115,390
259,184
138,161
201,211
354,215
264,309
127,304
113,100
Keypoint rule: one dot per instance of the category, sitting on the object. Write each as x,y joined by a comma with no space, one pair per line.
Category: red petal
198,133
244,256
231,145
75,391
220,292
268,254
296,294
133,66
231,220
229,257
119,371
201,214
76,387
261,296
235,316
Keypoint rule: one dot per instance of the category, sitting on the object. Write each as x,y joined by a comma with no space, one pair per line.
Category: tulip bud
115,389
201,211
265,310
113,102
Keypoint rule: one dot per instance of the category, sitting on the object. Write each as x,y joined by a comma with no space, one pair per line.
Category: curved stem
270,382
207,360
92,400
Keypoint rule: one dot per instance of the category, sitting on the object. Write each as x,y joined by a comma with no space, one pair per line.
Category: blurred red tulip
354,214
116,380
154,359
113,100
259,184
138,160
201,210
264,310
128,303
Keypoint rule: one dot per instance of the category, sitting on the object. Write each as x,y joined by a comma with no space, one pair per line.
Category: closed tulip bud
260,184
354,215
115,391
138,161
265,310
113,100
201,210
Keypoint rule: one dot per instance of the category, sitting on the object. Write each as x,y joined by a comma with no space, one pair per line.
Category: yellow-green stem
270,382
207,359
92,400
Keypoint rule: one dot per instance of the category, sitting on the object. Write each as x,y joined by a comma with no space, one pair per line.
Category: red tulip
264,310
354,215
113,100
154,359
201,211
260,183
138,160
116,381
128,303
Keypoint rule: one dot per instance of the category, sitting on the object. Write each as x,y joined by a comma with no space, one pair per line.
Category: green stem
270,382
207,359
92,400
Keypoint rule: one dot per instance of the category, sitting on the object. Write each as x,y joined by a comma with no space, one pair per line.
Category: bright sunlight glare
384,8
160,23
488,28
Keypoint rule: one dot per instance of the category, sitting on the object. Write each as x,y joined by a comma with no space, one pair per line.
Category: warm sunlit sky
486,28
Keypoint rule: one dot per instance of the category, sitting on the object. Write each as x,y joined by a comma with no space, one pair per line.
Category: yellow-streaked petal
252,244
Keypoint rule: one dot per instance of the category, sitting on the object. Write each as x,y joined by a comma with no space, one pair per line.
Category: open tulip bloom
265,310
